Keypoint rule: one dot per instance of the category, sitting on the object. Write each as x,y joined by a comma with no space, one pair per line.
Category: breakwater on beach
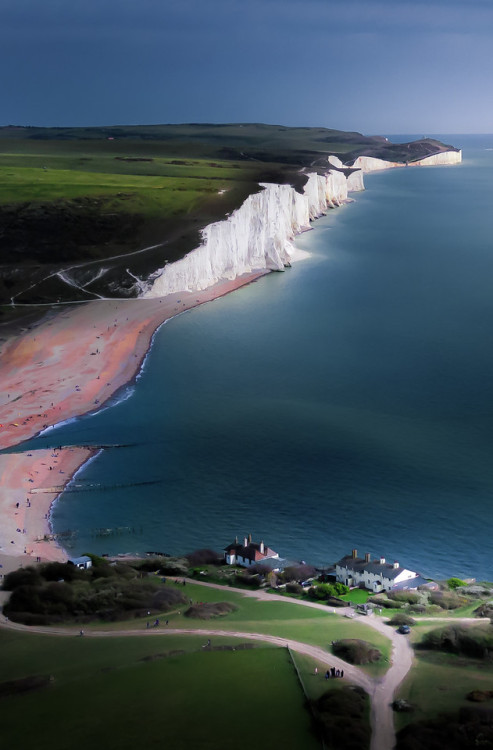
341,404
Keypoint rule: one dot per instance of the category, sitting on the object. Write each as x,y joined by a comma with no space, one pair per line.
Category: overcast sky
377,66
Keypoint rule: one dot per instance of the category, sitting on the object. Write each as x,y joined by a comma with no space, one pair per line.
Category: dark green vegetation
73,199
123,693
467,729
343,717
473,641
356,651
448,689
57,592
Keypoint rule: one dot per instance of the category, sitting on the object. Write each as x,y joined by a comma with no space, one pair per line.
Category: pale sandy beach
66,365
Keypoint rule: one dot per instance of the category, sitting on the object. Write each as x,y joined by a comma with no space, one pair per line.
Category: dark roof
251,551
386,570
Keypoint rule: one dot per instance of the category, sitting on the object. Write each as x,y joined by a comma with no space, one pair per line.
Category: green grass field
105,695
283,619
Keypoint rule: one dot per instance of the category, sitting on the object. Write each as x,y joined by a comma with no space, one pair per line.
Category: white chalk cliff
258,236
370,164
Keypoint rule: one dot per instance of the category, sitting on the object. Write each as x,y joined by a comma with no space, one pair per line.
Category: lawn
104,695
284,619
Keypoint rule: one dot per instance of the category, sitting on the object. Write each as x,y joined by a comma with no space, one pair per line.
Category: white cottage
248,553
377,575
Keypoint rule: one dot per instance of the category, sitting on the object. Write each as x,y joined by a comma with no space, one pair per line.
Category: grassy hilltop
81,196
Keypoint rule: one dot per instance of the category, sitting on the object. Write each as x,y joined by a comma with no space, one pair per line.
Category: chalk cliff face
370,164
257,236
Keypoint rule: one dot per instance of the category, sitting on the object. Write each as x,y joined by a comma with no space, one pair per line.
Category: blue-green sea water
345,403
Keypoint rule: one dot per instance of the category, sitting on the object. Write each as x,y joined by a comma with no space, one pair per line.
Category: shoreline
63,367
73,361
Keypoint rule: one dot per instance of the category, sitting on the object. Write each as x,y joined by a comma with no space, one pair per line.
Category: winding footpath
381,690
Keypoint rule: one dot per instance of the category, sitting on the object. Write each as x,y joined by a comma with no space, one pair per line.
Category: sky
384,66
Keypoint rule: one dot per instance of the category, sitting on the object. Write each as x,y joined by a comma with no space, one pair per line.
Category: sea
345,403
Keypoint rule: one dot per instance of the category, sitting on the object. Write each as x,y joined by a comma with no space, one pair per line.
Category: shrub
454,583
447,599
484,610
298,573
55,571
417,608
204,557
165,598
326,590
294,588
356,651
400,618
342,717
411,597
386,603
22,577
476,642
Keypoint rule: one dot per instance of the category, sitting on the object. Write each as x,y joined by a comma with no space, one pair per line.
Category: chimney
367,557
262,548
382,561
249,539
236,540
245,542
354,554
396,564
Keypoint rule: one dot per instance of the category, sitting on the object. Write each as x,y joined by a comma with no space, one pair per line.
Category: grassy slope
105,695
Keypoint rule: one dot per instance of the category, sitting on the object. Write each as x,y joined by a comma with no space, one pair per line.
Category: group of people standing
332,672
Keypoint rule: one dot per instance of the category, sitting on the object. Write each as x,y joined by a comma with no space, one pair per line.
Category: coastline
64,367
61,368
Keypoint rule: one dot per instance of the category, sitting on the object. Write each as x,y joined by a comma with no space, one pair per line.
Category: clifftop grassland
81,196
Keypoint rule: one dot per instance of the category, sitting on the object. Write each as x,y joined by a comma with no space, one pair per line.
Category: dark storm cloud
357,64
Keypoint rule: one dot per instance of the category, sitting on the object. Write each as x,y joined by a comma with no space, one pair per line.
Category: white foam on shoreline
72,479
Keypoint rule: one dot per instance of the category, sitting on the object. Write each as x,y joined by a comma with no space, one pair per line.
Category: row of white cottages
375,575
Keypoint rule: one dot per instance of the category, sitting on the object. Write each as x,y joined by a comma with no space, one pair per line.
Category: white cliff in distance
371,164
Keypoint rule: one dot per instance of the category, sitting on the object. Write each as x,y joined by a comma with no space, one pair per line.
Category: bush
386,603
294,588
454,583
355,651
417,609
22,577
204,557
165,598
56,571
411,597
297,573
447,599
326,590
401,619
484,610
475,642
342,717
